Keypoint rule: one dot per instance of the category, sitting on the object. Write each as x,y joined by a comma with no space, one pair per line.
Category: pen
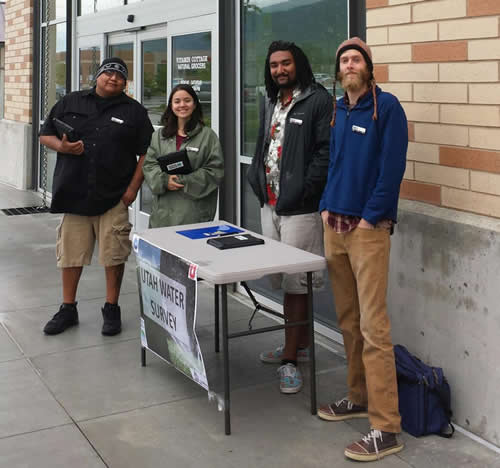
227,234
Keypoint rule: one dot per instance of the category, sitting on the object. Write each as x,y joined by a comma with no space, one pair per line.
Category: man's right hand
70,148
324,217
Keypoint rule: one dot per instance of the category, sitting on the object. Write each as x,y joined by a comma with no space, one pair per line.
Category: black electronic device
232,242
175,163
64,128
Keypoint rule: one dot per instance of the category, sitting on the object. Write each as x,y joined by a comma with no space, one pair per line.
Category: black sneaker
112,319
65,318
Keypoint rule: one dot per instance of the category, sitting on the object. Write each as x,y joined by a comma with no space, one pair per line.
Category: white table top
233,265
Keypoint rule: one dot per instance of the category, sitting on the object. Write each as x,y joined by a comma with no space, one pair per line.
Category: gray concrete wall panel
16,160
444,299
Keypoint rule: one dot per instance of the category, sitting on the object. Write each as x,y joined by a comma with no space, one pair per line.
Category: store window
86,7
54,66
52,83
154,78
89,61
317,27
57,10
192,64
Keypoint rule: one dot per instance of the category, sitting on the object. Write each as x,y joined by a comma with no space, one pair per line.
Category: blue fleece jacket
367,159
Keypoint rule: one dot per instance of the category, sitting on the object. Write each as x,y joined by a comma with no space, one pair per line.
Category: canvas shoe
342,410
290,378
276,355
374,446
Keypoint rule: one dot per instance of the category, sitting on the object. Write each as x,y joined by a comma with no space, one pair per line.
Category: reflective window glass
154,94
154,78
54,67
316,26
192,64
57,9
53,82
126,53
89,61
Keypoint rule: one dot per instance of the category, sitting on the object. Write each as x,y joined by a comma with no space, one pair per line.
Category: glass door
153,77
158,59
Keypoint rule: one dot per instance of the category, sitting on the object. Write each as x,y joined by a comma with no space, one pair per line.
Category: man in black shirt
96,178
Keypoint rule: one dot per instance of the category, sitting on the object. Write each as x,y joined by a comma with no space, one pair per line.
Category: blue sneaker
290,378
276,355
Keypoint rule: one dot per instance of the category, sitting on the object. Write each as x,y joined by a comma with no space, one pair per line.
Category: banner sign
168,297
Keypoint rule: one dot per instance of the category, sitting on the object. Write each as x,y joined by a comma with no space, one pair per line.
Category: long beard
354,82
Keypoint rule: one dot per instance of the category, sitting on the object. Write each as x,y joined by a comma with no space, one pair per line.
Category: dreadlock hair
303,69
169,119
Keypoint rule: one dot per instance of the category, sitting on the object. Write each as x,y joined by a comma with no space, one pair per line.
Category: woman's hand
173,183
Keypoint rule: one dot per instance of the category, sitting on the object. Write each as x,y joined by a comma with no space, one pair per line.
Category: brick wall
18,59
441,58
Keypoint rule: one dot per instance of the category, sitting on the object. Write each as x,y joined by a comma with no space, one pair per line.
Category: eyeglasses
110,73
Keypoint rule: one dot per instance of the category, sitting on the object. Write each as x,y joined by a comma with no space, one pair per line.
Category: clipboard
233,242
175,163
211,231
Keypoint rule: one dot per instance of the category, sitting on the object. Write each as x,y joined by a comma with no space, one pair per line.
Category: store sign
192,65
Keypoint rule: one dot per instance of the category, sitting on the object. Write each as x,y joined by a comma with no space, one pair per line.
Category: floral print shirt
277,135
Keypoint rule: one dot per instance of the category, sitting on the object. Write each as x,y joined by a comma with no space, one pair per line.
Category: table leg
312,354
216,307
225,342
143,356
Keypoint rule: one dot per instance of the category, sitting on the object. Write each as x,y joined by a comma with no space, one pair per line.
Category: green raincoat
196,202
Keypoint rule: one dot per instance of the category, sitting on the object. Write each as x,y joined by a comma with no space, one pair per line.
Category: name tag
116,120
175,165
191,148
296,121
357,129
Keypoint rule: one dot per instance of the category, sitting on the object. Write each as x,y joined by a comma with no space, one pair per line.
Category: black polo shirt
113,130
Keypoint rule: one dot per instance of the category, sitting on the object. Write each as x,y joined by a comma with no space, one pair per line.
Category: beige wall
441,58
18,60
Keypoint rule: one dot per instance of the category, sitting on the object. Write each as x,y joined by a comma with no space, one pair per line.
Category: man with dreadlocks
288,174
369,139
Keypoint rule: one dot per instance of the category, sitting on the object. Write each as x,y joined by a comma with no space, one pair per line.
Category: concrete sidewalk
83,400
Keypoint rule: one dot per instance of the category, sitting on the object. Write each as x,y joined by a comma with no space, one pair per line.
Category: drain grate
25,210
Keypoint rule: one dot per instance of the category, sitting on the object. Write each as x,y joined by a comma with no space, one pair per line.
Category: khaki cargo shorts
303,231
76,236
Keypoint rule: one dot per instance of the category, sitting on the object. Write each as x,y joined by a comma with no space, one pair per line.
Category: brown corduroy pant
358,264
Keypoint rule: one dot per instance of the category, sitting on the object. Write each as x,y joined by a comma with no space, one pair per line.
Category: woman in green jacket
187,198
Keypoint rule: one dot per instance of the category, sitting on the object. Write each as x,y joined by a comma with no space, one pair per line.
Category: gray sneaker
290,378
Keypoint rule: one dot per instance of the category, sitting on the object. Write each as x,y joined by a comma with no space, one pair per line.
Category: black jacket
114,131
305,154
